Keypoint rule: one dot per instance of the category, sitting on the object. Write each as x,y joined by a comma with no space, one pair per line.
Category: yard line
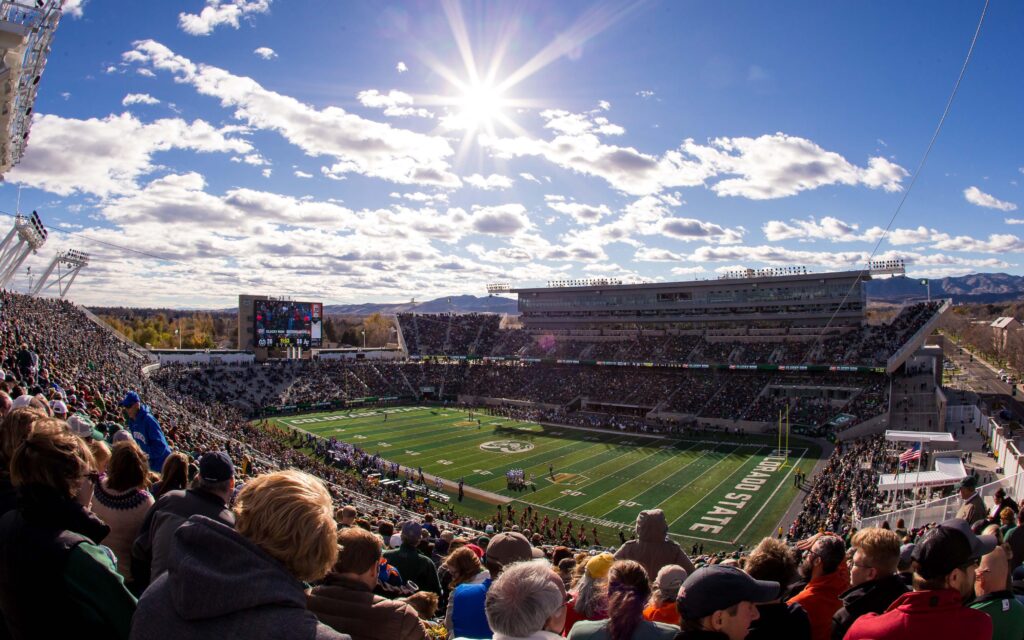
715,488
724,458
780,485
646,489
583,486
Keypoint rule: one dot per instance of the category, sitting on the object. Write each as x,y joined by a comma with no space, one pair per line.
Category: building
1002,329
770,298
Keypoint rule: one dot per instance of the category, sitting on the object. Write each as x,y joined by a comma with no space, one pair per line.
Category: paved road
984,380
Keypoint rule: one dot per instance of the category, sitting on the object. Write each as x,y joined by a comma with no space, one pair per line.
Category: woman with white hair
527,602
590,598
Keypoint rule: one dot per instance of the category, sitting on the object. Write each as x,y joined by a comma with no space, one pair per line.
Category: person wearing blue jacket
146,431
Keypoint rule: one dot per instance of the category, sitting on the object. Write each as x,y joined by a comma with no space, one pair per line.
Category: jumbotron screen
283,323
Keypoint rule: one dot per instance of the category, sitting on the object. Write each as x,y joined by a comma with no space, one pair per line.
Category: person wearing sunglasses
945,562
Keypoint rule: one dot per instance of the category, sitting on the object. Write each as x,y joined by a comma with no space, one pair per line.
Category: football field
720,491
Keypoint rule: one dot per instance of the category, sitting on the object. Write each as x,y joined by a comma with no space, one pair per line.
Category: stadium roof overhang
924,437
947,471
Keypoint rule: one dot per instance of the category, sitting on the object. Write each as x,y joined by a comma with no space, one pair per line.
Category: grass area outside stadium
717,490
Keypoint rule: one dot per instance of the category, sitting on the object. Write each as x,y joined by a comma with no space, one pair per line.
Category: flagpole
786,462
779,447
917,478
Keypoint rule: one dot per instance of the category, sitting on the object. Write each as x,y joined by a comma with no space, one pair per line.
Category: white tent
947,471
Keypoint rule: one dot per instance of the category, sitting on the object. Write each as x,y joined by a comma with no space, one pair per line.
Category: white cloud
530,177
829,228
139,98
651,254
106,156
501,220
976,196
581,213
266,172
687,271
220,12
604,105
73,8
996,243
302,174
356,144
1013,221
645,94
265,52
493,181
146,73
575,124
401,67
394,103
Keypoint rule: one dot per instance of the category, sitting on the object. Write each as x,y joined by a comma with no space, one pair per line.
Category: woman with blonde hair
248,581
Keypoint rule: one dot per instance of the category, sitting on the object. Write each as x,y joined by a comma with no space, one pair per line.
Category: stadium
619,458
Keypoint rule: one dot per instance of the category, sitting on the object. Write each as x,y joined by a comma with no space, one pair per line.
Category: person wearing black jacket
876,585
773,560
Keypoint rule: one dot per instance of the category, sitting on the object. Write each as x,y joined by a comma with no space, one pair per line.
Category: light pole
363,331
927,283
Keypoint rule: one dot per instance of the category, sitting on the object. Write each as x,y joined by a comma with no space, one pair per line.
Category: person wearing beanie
590,598
411,564
662,607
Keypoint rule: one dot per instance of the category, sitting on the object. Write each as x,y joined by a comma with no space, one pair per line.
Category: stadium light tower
26,31
26,237
72,260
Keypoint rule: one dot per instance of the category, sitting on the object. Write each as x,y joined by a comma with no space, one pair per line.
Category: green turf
721,492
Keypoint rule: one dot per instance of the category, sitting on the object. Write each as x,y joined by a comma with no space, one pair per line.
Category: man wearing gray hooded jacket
652,548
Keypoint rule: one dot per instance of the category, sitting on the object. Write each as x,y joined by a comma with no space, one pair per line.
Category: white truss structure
27,235
26,31
67,264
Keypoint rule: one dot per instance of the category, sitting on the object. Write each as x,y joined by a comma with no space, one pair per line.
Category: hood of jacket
214,571
651,526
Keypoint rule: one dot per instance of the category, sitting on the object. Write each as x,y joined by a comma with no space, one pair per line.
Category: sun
480,106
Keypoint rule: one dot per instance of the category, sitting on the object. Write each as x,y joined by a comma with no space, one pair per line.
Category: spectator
526,602
628,591
905,569
152,548
1002,501
173,475
774,561
247,583
652,548
55,579
994,597
5,400
346,602
822,568
1015,539
120,499
412,565
973,508
464,568
347,516
14,429
146,431
662,607
721,602
590,598
944,575
466,615
873,579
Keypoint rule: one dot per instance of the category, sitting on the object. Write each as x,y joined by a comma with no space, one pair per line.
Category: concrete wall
204,357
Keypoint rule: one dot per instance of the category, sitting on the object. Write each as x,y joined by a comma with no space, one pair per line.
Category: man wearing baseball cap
466,616
152,547
944,563
146,431
721,602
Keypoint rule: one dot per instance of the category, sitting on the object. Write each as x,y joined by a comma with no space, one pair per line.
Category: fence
941,509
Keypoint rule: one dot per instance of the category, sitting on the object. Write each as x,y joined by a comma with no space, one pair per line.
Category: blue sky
347,152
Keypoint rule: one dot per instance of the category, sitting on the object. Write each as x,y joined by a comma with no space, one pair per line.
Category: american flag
913,453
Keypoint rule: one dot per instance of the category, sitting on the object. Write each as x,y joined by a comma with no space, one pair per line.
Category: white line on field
715,487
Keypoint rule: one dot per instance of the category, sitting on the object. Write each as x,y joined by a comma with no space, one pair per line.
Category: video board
284,323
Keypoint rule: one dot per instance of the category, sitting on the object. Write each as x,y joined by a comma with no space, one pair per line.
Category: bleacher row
480,335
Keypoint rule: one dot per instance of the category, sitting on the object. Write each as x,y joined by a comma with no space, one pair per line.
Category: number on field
359,437
572,492
445,462
557,433
482,472
383,444
412,453
628,503
339,431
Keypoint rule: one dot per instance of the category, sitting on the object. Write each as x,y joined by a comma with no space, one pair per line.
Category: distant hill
453,304
974,288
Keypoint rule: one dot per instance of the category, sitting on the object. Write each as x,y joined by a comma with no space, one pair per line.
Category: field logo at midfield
506,446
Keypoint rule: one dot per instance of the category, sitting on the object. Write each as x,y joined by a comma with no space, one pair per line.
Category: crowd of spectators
477,334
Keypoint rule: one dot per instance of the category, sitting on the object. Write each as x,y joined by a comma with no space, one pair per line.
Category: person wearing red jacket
944,564
824,568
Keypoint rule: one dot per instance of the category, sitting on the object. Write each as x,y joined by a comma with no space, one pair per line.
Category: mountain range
975,288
